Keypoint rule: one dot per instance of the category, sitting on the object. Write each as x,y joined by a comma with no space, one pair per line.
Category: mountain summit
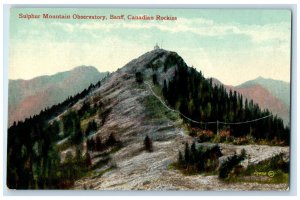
280,89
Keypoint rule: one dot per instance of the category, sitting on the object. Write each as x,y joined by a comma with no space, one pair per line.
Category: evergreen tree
98,144
111,140
154,79
148,144
197,98
180,158
187,154
88,160
139,77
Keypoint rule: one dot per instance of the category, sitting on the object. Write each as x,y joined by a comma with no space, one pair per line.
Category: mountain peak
84,68
152,59
260,78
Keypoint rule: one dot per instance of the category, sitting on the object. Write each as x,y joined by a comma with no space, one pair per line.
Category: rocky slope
135,112
29,97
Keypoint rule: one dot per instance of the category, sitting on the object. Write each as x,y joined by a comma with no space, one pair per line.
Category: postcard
149,99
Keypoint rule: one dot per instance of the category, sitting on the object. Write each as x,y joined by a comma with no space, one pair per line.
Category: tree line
33,161
199,99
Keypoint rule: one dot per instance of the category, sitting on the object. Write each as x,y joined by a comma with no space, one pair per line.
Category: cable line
201,122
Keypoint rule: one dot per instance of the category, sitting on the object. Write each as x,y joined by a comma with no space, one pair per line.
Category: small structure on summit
156,47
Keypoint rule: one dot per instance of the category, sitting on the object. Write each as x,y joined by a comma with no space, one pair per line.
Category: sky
232,45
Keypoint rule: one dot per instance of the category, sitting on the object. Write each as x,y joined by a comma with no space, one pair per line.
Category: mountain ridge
61,73
280,89
29,97
261,95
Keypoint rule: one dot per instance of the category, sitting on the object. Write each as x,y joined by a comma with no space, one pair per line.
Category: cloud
200,26
81,44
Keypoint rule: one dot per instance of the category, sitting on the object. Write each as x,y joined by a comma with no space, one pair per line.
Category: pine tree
187,154
88,159
98,144
148,144
193,149
154,79
180,158
139,77
78,154
111,140
165,89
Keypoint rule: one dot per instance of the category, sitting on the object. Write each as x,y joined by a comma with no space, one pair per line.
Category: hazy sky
231,45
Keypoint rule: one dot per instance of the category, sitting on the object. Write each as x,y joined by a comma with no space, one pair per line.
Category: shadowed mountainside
273,96
28,97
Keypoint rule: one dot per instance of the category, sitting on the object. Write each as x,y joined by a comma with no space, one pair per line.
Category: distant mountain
29,97
280,89
267,93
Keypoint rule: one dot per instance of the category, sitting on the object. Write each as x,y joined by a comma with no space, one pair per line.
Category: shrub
154,79
224,135
104,114
77,137
240,141
111,140
139,77
148,144
231,162
199,160
88,159
91,127
98,144
180,158
90,144
186,154
275,163
205,135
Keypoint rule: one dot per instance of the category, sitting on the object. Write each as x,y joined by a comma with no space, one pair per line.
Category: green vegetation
271,171
172,60
231,163
156,63
96,144
154,79
33,154
103,114
99,174
276,168
72,128
197,98
198,160
91,127
72,169
205,160
86,110
156,110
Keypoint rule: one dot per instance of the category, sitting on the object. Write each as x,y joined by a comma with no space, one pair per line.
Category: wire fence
202,122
